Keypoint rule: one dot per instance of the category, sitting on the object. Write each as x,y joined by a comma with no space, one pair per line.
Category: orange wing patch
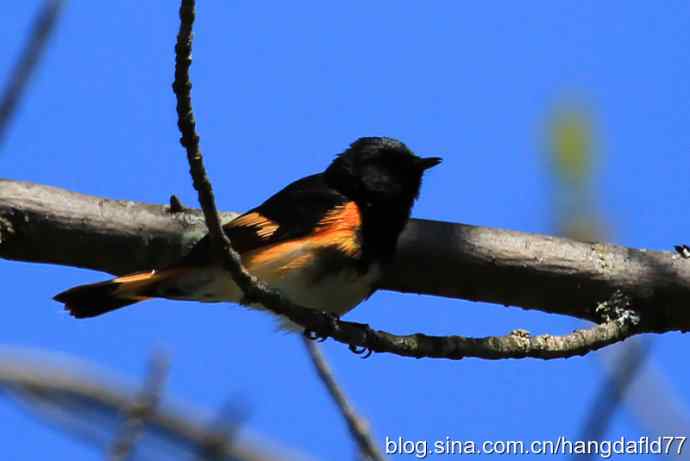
266,227
340,228
276,260
138,277
271,253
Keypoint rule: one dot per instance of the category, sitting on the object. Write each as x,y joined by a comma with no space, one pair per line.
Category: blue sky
279,89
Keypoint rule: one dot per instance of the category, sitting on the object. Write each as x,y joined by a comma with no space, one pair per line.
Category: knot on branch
520,333
176,205
7,230
617,308
683,250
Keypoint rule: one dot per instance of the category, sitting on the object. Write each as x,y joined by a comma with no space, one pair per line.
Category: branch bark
50,225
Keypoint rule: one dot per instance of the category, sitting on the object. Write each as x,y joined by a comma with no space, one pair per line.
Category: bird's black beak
429,162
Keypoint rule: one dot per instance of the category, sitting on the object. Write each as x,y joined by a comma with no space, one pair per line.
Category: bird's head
377,171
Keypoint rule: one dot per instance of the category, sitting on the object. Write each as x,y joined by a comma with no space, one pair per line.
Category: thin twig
611,394
356,424
43,25
226,422
252,288
359,337
657,405
141,410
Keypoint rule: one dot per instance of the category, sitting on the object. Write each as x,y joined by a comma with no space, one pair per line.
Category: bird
323,241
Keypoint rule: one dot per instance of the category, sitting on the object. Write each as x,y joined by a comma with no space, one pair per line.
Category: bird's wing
295,212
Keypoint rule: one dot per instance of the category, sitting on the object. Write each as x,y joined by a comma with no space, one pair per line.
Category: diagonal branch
186,123
43,25
357,426
252,288
612,393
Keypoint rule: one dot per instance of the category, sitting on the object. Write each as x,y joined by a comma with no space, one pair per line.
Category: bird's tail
98,298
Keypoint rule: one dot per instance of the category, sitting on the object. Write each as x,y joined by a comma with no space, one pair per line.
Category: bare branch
130,236
517,344
252,288
69,395
19,78
141,410
358,427
182,86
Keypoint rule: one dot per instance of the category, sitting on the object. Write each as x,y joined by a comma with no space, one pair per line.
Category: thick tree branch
50,225
43,224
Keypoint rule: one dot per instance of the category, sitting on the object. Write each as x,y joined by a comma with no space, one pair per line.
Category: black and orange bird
322,241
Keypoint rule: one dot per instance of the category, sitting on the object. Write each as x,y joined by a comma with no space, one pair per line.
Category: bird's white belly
336,293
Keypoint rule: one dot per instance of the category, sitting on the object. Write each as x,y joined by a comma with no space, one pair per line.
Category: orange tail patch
98,298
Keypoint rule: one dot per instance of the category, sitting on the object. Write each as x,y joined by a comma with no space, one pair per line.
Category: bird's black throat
380,230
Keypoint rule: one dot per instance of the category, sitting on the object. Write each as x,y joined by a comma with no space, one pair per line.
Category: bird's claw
363,351
683,250
314,336
367,350
326,332
247,300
